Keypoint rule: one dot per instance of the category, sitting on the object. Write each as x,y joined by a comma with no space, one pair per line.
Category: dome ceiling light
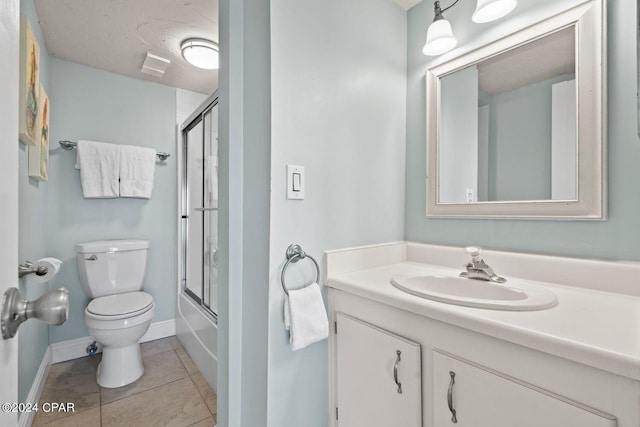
201,53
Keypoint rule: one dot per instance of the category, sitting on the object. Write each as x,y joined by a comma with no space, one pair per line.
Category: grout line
192,424
144,391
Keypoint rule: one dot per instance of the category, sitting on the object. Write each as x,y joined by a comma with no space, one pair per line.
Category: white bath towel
99,166
305,316
137,168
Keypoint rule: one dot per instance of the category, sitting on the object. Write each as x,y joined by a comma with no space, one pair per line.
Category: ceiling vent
155,65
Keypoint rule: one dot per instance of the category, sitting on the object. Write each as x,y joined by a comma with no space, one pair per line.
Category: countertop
597,328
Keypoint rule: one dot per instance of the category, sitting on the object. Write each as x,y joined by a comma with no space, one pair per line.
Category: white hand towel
137,167
99,166
305,317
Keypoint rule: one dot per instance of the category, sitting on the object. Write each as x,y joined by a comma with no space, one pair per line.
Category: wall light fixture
440,38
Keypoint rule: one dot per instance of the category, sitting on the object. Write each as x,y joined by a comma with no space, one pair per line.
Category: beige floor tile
82,365
209,422
160,368
157,346
186,361
176,343
90,418
81,390
176,404
206,392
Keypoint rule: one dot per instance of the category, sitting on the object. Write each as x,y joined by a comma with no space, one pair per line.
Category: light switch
295,182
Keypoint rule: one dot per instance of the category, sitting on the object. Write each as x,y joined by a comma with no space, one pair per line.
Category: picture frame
39,153
29,83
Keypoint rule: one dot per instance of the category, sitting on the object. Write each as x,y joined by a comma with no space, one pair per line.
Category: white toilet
112,273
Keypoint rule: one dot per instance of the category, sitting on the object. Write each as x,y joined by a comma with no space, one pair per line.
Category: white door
470,395
378,377
9,41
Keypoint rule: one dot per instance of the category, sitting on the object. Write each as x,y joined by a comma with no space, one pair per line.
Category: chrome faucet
478,269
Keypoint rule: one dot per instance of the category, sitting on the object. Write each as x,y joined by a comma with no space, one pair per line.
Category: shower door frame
198,116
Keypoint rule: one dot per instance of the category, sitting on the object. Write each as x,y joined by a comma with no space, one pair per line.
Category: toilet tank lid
111,246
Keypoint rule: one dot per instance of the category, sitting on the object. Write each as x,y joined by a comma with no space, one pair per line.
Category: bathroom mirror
516,129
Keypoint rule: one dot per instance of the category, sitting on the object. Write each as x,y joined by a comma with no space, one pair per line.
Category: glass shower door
200,209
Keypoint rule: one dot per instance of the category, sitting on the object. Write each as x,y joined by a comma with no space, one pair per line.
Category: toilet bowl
112,273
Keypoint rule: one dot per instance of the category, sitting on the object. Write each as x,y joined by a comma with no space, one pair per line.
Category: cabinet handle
395,372
450,397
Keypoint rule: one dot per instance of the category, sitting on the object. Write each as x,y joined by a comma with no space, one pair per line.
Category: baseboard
26,418
157,330
73,349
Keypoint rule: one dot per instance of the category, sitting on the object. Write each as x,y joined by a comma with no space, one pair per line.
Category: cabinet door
378,377
482,397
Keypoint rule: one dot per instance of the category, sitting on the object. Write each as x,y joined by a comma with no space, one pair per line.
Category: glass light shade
440,38
490,10
200,53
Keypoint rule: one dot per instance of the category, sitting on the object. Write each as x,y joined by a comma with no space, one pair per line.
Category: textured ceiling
407,4
115,35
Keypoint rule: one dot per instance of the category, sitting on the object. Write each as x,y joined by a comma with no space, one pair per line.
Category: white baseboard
157,330
26,418
73,349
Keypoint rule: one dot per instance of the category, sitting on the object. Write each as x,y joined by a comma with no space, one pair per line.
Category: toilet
112,273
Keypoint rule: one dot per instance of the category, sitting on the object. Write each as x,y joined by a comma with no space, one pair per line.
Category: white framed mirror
517,128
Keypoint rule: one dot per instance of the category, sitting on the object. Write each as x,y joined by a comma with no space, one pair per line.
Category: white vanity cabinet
470,395
378,376
576,364
495,383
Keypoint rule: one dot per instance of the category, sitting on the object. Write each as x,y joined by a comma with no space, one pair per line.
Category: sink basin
515,295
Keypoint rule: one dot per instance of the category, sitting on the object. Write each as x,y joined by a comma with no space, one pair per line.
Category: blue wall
615,238
520,141
33,336
338,109
102,106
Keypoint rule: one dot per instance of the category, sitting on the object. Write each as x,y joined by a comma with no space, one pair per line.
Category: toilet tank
108,267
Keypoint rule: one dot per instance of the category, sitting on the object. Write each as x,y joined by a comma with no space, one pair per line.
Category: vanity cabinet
575,364
496,383
479,396
378,376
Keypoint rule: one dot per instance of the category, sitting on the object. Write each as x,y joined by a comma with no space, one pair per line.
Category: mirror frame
589,22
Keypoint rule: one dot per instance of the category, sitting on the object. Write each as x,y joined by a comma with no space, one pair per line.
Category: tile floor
171,392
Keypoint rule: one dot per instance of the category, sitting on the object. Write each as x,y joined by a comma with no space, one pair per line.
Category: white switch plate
469,195
295,182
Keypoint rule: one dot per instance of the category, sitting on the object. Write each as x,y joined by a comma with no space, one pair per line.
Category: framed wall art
39,153
29,83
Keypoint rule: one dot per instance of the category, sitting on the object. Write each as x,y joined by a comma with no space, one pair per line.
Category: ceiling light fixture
440,38
200,53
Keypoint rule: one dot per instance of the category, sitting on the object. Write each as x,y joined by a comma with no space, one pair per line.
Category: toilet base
120,366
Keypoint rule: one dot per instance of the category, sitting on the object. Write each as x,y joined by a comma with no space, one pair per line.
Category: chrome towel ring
295,254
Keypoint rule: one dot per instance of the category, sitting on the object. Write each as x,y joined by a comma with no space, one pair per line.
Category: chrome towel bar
295,254
70,145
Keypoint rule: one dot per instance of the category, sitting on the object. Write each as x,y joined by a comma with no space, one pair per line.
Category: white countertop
597,328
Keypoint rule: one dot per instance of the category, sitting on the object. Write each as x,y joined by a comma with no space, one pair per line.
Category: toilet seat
120,306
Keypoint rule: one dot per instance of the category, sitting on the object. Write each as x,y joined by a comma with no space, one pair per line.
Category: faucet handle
474,252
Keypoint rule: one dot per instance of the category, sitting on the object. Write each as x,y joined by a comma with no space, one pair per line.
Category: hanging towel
305,317
99,166
137,167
